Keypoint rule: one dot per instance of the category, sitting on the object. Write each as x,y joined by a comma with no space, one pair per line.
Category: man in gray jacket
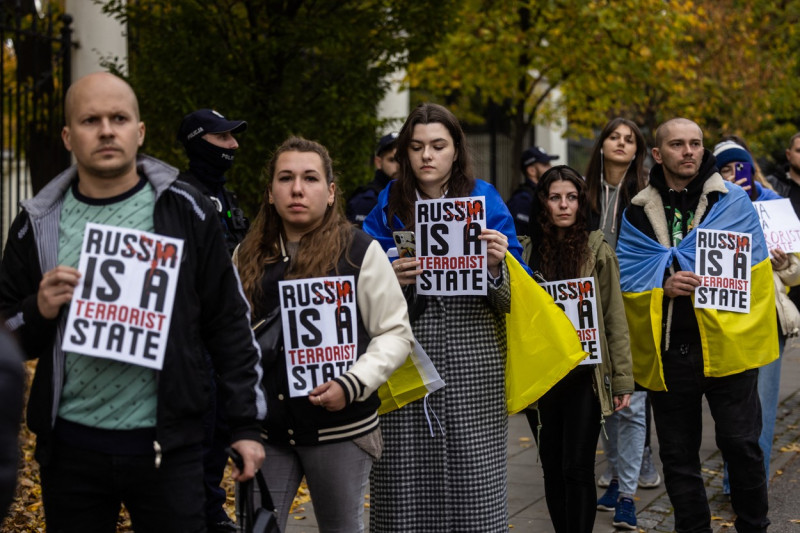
112,430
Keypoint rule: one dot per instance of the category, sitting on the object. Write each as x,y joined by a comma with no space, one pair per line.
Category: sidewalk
528,511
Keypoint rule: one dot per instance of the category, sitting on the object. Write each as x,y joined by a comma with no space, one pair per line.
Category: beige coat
788,315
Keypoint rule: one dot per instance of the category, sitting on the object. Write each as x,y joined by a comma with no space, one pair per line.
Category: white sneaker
648,475
604,480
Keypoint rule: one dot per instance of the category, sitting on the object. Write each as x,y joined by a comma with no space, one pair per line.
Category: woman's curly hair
562,251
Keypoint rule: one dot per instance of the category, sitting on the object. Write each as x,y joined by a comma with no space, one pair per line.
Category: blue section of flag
643,261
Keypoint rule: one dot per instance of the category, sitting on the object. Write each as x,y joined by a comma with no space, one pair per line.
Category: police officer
210,144
386,169
534,162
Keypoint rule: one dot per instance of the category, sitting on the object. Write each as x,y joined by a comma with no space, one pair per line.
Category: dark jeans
733,401
83,490
570,417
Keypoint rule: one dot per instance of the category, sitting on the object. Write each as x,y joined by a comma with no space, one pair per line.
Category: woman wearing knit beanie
731,151
786,272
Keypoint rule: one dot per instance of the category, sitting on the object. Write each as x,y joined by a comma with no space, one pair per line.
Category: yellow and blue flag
731,342
543,347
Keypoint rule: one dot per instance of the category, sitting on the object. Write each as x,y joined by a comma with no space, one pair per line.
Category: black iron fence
34,76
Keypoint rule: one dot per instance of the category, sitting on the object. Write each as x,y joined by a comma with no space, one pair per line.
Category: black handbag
264,519
250,519
269,336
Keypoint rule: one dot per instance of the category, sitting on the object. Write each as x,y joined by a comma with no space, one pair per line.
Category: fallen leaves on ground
26,514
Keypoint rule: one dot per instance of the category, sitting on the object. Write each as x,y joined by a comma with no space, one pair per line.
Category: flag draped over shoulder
732,342
543,345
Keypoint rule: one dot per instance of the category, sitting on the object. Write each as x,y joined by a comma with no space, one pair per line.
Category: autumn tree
516,53
301,67
750,83
726,65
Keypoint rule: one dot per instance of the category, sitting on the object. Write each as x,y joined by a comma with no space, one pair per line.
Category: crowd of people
170,331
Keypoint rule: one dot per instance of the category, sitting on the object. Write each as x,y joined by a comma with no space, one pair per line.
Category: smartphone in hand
406,243
743,171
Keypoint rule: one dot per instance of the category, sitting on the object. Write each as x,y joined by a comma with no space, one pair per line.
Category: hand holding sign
496,246
406,269
779,259
681,283
329,396
56,289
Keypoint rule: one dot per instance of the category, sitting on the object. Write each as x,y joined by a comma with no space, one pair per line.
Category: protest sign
780,224
723,260
122,306
320,333
452,258
578,300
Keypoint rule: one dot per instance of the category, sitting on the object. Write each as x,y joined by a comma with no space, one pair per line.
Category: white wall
97,35
551,137
395,104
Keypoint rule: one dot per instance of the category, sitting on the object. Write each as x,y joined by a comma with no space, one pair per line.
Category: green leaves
287,67
728,64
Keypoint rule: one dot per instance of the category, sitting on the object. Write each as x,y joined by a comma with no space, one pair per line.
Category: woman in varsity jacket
304,265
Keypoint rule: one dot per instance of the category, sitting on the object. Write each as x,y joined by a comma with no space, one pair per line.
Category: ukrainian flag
732,342
543,347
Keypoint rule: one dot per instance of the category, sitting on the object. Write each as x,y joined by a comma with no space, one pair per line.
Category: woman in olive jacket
569,416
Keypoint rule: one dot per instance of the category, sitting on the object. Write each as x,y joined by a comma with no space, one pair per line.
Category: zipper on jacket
157,449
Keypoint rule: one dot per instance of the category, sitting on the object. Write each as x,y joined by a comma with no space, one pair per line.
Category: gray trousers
336,475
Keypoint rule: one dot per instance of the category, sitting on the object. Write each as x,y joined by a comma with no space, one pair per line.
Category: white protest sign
780,224
578,300
320,333
122,306
723,260
451,256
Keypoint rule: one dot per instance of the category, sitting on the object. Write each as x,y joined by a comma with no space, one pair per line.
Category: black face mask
209,162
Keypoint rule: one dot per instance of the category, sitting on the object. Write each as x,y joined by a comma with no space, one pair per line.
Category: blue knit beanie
728,152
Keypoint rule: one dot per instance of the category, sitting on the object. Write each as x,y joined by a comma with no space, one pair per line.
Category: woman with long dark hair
444,463
567,420
614,176
330,434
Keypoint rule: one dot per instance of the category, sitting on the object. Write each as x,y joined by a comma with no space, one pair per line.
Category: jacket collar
650,200
159,174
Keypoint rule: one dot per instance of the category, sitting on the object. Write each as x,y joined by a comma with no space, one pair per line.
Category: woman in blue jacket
449,475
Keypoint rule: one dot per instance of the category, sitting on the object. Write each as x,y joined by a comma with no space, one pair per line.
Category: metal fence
34,76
